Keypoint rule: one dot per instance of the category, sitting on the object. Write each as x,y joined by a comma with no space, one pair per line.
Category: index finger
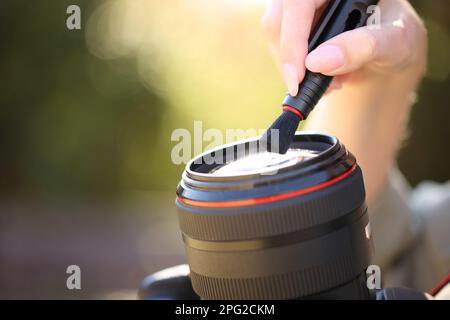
298,17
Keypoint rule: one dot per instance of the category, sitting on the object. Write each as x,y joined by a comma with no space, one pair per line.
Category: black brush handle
340,16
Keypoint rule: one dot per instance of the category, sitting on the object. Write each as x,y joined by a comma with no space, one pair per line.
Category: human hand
397,45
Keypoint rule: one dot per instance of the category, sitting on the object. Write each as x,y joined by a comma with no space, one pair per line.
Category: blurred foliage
426,155
89,113
68,119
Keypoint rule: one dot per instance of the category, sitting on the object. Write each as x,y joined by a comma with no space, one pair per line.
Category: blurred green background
86,118
88,113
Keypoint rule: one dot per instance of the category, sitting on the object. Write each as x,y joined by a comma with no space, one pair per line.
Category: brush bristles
279,136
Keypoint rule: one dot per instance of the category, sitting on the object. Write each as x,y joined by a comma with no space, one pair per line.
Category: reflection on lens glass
264,162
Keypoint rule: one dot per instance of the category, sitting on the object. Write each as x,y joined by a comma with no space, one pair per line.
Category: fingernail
291,78
326,58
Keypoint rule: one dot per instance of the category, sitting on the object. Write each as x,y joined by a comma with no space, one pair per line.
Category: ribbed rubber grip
310,91
291,285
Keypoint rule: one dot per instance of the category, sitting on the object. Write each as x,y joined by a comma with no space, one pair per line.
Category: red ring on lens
268,199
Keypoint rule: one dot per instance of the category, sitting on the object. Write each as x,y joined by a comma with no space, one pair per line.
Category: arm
377,72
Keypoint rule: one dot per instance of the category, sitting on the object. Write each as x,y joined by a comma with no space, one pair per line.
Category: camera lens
270,226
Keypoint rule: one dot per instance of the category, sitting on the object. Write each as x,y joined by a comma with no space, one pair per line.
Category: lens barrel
301,231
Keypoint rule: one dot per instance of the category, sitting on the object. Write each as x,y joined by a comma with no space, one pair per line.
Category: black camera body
175,284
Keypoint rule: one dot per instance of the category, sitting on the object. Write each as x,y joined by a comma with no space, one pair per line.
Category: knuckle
408,38
269,25
411,38
399,46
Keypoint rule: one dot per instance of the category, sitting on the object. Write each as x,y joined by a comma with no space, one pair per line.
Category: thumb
386,46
